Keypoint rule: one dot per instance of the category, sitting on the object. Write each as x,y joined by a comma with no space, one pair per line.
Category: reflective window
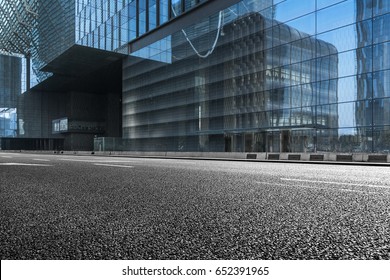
381,29
152,14
331,18
133,20
349,37
164,14
290,9
381,56
188,4
381,112
176,7
325,3
381,84
380,7
141,17
381,139
305,24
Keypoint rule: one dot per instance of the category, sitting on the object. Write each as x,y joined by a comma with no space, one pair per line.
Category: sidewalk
303,158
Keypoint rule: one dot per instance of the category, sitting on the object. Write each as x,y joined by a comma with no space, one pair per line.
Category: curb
296,158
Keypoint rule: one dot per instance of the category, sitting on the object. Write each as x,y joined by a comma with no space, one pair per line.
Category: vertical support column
147,14
137,18
28,66
169,9
157,12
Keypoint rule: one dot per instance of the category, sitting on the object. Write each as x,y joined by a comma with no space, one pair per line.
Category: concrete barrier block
316,157
344,157
377,158
294,157
273,156
251,156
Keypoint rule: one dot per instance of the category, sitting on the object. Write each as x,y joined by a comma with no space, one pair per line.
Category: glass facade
54,34
256,76
10,86
110,25
265,76
42,30
38,30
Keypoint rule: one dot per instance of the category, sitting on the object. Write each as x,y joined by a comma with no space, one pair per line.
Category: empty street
56,206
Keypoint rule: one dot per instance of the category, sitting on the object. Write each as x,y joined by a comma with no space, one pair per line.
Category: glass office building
191,75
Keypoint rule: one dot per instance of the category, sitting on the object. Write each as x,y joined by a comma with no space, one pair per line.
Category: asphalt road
91,207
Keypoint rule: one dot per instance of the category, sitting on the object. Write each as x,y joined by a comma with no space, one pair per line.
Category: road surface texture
91,207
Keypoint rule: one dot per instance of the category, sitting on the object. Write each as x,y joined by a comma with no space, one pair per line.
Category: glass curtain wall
53,34
10,86
265,76
111,24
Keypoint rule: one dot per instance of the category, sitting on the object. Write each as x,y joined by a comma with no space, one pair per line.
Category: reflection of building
373,54
244,97
278,110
